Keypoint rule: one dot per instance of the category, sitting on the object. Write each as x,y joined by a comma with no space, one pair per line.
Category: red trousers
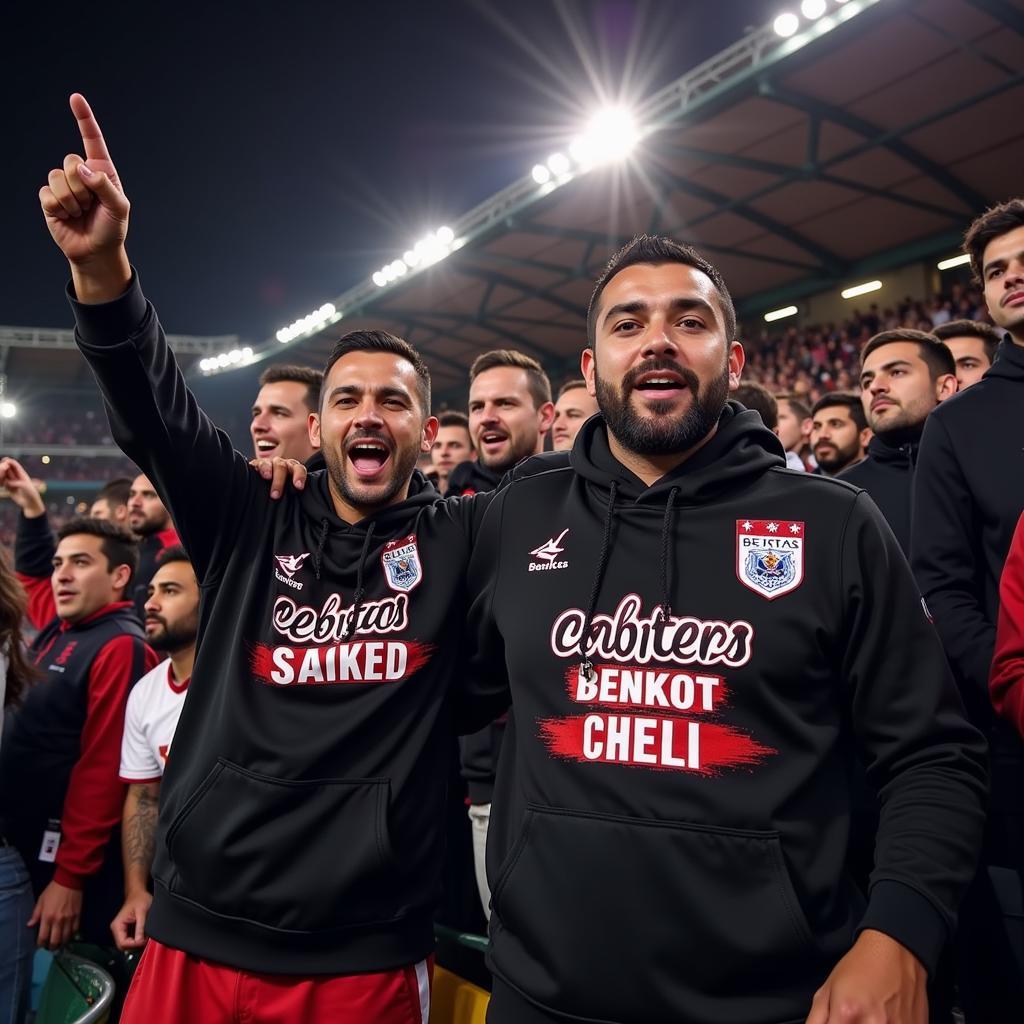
171,987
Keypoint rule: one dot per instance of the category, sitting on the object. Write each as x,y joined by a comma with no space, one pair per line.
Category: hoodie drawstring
666,534
324,526
357,597
586,665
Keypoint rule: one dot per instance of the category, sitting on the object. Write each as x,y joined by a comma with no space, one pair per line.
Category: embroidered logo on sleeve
402,566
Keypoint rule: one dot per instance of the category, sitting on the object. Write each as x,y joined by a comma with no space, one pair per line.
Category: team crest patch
402,566
770,555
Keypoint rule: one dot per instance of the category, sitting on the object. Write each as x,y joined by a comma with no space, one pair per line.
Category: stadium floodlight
812,10
444,235
45,460
780,314
558,164
541,174
8,410
954,261
861,289
379,279
786,24
610,135
247,354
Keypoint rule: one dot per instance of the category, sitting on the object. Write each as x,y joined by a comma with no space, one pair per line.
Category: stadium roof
865,142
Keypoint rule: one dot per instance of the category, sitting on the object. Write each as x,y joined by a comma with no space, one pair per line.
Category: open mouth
660,385
368,457
493,438
264,447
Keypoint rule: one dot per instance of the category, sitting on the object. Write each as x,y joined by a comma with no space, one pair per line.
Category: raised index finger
92,137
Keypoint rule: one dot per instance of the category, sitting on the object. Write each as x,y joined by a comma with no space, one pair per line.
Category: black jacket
887,474
302,815
752,630
472,477
968,496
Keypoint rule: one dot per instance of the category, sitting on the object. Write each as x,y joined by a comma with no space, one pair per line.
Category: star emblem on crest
794,527
748,525
773,527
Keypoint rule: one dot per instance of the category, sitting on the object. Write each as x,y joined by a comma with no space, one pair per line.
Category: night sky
277,154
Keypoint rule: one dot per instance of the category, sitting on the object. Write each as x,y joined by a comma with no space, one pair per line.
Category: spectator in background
973,344
451,447
795,425
60,800
573,407
968,497
1006,681
16,946
757,397
151,523
904,376
839,432
112,501
288,398
154,705
510,412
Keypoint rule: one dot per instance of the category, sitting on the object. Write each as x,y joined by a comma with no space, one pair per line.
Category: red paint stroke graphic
359,661
652,741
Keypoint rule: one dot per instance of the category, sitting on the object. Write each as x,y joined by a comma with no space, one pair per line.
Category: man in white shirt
154,704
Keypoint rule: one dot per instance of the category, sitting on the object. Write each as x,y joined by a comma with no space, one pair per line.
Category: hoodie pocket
292,855
594,910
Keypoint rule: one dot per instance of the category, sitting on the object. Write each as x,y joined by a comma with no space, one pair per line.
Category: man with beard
968,497
839,432
151,523
904,375
974,344
699,646
112,501
574,406
510,412
154,706
300,836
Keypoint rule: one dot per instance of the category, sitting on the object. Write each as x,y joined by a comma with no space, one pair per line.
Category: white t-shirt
150,719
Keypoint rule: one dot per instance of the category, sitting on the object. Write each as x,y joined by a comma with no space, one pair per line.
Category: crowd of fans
887,401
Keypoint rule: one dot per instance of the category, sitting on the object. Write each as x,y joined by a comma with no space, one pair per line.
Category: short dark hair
116,492
993,223
801,410
119,547
537,381
846,400
935,353
659,249
173,553
757,397
382,341
572,385
453,418
312,378
989,336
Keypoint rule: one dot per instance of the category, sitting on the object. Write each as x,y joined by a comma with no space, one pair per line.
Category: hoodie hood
742,449
882,451
1009,361
472,477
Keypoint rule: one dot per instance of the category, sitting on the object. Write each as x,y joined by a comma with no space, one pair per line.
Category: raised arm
154,417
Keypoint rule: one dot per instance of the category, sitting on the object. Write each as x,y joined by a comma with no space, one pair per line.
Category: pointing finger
92,137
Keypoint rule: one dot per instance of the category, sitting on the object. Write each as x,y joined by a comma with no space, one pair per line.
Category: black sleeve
155,419
34,547
922,757
484,693
944,555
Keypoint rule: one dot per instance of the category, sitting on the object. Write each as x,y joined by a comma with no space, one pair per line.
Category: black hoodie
672,807
887,474
302,811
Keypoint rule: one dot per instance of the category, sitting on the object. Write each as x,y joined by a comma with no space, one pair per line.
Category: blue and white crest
402,566
770,555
